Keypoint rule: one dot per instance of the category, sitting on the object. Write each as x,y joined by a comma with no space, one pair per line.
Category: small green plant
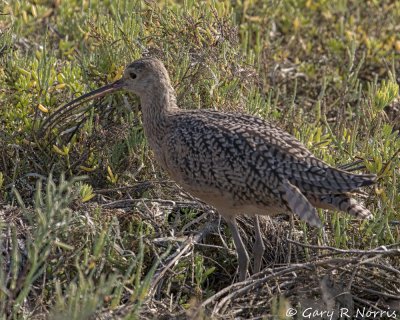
201,272
387,92
86,192
50,218
113,178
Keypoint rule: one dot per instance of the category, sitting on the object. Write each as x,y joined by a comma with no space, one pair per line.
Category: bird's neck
156,106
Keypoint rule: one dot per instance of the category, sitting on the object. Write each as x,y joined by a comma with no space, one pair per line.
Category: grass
76,248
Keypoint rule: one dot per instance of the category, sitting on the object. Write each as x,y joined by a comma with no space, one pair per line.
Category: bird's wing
240,150
203,153
289,158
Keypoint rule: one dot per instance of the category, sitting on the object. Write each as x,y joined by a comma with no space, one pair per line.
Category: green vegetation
115,242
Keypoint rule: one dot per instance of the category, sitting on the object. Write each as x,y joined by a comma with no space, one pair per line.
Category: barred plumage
343,202
237,163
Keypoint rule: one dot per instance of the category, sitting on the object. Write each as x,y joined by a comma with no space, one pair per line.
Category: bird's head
143,77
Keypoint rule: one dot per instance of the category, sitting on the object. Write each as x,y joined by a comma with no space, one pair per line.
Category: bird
235,162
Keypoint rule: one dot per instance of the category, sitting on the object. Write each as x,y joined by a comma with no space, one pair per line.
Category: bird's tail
342,202
330,181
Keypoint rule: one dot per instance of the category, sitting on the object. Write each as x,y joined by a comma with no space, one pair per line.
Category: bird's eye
132,75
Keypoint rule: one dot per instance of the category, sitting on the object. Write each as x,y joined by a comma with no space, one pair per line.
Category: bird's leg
258,247
243,257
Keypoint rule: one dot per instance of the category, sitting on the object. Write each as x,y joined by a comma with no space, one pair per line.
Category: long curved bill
63,112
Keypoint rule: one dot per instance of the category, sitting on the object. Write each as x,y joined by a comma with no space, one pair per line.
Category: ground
92,228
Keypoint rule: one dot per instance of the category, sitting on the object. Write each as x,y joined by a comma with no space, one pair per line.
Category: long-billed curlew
237,163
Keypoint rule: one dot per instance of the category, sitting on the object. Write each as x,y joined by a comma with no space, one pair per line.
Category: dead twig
183,249
382,250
